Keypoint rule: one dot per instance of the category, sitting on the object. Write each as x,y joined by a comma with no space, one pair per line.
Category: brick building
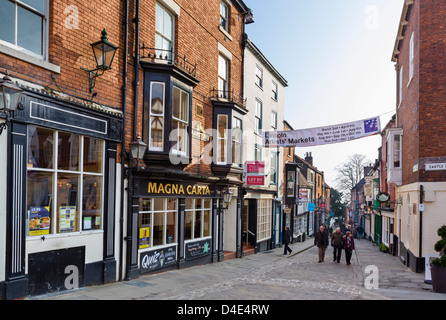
76,206
417,152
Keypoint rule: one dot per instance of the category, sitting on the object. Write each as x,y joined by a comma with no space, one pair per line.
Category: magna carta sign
179,189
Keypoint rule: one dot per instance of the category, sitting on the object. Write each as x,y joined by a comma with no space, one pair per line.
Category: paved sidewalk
170,284
271,275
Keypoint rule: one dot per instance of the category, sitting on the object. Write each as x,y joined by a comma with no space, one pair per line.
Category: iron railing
229,96
169,56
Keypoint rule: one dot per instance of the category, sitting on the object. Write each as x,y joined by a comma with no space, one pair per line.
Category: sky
336,57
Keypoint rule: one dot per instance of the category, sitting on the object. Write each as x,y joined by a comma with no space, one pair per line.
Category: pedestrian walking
337,242
349,246
321,241
359,230
287,240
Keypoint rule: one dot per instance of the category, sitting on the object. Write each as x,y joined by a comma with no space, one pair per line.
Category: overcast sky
336,57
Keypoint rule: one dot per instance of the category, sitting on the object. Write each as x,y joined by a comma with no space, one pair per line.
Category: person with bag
349,246
337,242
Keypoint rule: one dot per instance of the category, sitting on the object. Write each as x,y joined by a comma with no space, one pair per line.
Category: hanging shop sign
323,135
198,249
383,197
157,259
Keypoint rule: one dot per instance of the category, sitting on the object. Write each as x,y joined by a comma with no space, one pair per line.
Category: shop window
197,219
24,26
157,222
64,182
264,219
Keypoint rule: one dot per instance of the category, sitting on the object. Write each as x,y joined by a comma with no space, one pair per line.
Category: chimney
309,158
367,170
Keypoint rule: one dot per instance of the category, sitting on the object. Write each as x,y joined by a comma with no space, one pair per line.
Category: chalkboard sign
157,259
198,249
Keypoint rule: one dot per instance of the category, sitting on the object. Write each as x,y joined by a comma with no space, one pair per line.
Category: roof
402,29
250,45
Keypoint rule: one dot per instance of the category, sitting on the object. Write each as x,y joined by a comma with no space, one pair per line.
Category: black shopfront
61,195
175,222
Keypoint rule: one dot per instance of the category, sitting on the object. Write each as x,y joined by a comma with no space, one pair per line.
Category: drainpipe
124,111
135,111
421,221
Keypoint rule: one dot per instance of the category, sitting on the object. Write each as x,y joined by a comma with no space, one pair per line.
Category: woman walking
349,246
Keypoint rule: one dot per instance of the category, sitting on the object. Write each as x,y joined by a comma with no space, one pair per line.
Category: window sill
260,87
225,33
28,58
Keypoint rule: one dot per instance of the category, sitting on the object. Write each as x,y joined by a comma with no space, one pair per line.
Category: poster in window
39,221
67,219
144,238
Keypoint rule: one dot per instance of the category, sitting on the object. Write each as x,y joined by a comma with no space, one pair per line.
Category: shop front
62,191
176,223
259,212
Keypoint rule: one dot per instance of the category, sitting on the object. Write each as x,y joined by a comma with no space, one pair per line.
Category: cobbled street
272,276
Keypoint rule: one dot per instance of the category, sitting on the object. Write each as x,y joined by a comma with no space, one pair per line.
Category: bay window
180,121
236,141
394,155
156,126
222,139
65,175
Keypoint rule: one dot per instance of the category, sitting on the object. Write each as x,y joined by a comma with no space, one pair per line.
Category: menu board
39,221
67,219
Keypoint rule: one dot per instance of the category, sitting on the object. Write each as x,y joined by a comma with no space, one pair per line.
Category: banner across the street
323,135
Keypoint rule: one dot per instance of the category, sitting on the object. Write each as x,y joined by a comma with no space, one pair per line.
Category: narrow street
272,276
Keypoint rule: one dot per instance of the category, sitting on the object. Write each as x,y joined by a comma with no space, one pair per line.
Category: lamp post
104,53
10,95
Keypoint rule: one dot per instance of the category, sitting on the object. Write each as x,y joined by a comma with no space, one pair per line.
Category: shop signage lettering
435,166
198,249
178,189
158,259
322,135
255,166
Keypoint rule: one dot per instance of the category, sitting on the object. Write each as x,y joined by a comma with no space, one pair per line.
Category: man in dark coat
286,241
337,242
321,241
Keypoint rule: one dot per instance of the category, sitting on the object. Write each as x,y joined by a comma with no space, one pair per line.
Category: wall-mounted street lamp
10,95
104,53
227,198
137,150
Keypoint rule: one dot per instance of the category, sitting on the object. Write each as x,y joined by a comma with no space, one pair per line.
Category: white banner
322,135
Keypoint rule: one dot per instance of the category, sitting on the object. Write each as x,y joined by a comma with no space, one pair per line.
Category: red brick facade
421,112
